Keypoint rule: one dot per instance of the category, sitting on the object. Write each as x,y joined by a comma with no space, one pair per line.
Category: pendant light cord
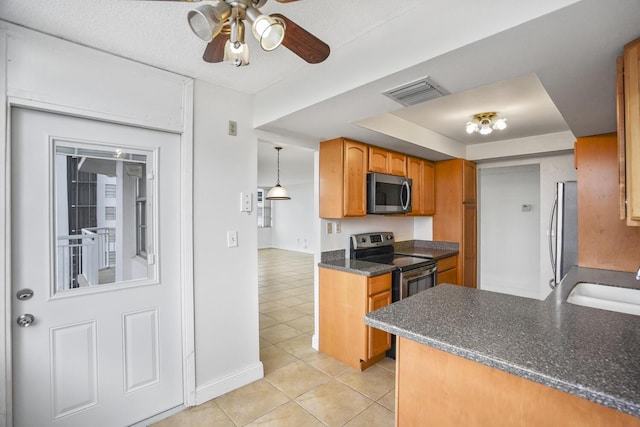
278,179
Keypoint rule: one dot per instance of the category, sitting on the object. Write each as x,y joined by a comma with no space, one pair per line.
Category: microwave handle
406,190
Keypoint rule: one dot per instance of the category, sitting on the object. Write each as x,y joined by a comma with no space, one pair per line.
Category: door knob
24,294
25,320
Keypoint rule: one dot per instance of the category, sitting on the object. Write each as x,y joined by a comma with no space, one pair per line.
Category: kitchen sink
606,297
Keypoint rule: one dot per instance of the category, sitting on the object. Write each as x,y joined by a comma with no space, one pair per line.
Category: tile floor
301,386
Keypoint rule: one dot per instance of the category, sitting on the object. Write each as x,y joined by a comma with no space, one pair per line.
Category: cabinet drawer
448,276
379,284
447,263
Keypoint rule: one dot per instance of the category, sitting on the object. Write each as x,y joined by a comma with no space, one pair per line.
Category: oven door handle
419,272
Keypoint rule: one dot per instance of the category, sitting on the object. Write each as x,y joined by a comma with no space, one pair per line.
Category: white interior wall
401,226
264,237
508,231
225,279
293,220
554,168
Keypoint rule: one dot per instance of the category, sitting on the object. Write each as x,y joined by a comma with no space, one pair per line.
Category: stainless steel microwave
388,194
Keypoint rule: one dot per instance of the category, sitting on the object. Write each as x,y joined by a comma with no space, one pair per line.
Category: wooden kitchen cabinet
629,127
385,161
456,215
431,384
448,270
344,299
343,178
604,240
422,175
378,341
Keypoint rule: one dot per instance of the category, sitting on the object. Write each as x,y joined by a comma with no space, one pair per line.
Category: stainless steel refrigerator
563,230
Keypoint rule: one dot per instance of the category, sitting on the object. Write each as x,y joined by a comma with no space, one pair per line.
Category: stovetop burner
378,247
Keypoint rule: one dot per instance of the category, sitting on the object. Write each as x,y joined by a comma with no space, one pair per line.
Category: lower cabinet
448,271
435,388
344,299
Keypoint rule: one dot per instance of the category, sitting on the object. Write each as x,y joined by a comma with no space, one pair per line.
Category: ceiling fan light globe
207,21
269,32
236,53
485,130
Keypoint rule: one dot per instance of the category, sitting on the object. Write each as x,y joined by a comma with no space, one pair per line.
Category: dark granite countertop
336,260
357,267
587,352
426,248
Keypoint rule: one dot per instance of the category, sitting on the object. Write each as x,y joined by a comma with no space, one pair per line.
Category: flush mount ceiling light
278,192
221,23
485,123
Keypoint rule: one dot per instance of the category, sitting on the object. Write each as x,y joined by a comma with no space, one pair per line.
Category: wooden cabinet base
364,364
435,388
344,300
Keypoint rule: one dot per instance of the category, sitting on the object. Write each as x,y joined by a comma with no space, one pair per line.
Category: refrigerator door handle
552,254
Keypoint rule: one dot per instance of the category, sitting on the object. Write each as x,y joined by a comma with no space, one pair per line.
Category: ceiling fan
221,23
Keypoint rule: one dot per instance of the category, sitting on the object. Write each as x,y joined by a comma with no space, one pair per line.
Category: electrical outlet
338,227
232,239
233,128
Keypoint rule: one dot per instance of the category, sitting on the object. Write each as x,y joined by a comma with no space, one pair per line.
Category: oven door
413,281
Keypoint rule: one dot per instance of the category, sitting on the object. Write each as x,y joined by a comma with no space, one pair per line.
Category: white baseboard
315,342
229,383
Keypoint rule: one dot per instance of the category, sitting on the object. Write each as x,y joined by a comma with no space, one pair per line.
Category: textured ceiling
156,32
565,49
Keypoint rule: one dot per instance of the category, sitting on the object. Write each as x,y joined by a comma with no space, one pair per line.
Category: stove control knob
389,237
363,240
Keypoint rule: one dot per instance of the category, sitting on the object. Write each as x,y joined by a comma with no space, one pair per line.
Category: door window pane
102,215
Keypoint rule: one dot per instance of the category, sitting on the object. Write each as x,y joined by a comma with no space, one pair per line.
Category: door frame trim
186,224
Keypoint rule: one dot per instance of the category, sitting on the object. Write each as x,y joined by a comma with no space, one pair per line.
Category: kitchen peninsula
473,357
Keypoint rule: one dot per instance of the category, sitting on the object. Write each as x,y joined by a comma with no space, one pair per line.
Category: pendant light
278,192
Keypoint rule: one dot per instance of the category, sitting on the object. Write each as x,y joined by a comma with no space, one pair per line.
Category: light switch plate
233,128
245,202
232,238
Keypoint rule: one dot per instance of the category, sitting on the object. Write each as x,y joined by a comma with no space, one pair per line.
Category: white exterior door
104,347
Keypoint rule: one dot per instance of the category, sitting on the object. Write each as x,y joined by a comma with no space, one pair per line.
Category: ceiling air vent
416,92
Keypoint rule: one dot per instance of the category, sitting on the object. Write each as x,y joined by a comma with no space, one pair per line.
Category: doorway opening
509,226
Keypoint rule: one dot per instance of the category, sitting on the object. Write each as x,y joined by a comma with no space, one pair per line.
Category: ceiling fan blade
303,43
215,49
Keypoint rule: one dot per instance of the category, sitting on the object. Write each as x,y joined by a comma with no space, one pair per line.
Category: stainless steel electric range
412,274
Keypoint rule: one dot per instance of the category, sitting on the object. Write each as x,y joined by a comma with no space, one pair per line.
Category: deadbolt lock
24,294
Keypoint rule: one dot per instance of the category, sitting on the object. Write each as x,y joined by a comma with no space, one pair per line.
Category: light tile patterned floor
301,386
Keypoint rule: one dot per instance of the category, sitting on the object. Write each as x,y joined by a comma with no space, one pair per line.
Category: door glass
102,216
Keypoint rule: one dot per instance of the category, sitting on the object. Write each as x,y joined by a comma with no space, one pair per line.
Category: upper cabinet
384,161
343,178
629,132
604,241
344,165
421,173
